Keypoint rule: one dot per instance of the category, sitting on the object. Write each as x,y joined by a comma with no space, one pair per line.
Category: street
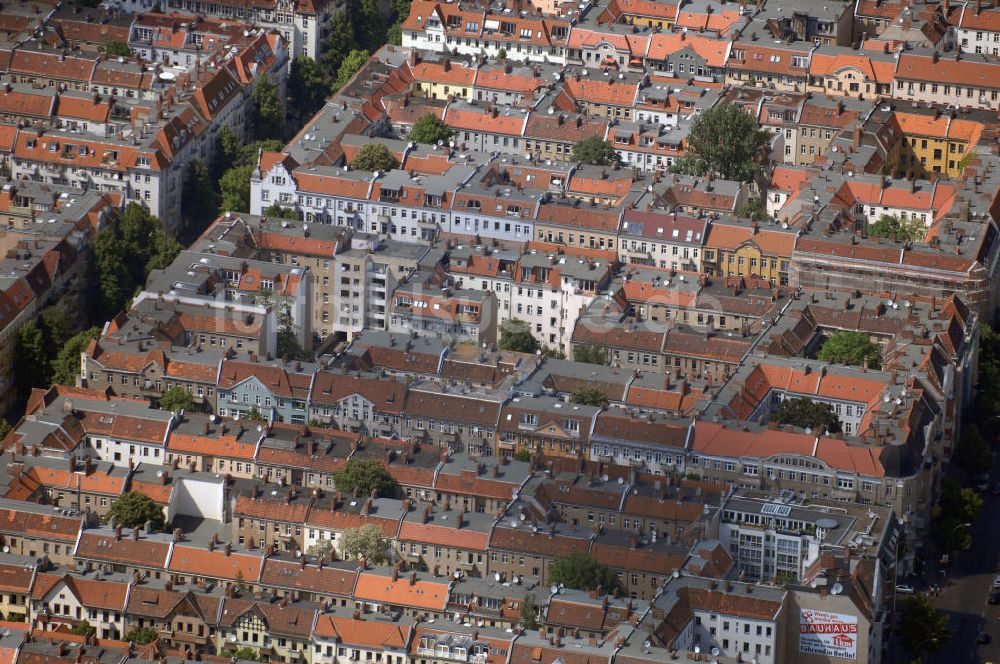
964,594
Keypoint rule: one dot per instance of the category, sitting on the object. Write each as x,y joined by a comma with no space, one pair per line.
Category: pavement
965,589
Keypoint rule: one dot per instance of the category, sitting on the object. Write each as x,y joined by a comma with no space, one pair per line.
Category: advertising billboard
828,634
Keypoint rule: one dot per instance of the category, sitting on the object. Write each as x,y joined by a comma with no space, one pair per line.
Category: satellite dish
646,643
715,651
836,589
232,639
697,650
496,576
554,589
236,417
6,549
457,574
211,418
260,427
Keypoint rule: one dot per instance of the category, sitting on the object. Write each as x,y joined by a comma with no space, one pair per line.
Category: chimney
228,549
178,535
935,57
857,136
413,579
118,533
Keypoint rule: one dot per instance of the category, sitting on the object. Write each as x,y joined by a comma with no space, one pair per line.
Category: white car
903,589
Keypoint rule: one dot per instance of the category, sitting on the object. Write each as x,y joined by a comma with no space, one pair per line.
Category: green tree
727,142
754,210
5,428
588,396
502,54
275,210
133,509
339,42
591,354
523,456
429,129
923,629
554,353
175,399
529,612
83,628
234,185
114,281
227,150
254,415
369,24
320,549
973,453
365,476
582,572
57,326
375,157
198,204
595,150
366,541
66,364
901,230
956,506
31,358
515,335
394,35
851,348
307,85
118,48
125,253
268,115
806,413
248,654
141,635
349,66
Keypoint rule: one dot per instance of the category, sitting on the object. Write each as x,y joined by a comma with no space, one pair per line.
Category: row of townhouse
823,65
45,234
101,139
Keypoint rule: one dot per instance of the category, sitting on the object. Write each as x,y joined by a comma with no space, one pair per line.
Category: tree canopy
429,129
924,629
199,202
582,572
515,335
375,157
727,142
956,506
83,628
175,399
234,185
118,48
124,255
30,358
367,542
66,363
806,413
973,453
851,348
349,66
365,476
595,151
529,612
268,112
275,210
141,635
589,396
307,86
591,354
892,227
133,509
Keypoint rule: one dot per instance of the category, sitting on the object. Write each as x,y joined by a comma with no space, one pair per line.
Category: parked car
982,482
904,589
996,489
994,597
